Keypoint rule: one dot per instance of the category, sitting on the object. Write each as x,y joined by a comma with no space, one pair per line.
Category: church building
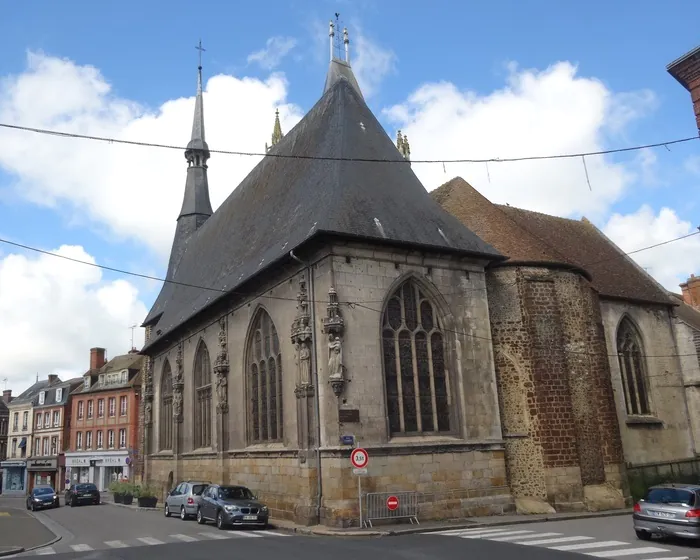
328,295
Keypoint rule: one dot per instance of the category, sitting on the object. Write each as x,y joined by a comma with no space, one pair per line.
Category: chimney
52,378
7,395
97,358
686,70
691,291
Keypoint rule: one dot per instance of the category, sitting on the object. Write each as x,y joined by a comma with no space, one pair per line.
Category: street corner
19,529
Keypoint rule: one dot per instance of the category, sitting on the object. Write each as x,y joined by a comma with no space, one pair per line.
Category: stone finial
331,35
277,134
346,42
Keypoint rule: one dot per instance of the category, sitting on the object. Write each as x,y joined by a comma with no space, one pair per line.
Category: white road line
185,538
584,546
275,534
116,544
520,537
557,541
245,534
47,550
499,534
81,547
149,540
468,531
626,552
216,535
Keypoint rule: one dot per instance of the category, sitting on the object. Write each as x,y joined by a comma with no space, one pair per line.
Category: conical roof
286,201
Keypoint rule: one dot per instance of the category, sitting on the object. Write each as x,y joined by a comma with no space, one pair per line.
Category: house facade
104,425
686,70
4,424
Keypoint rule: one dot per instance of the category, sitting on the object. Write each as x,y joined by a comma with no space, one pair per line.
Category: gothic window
264,380
630,355
166,409
202,395
417,385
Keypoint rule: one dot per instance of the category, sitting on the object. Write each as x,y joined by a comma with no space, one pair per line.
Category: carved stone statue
148,409
222,392
177,406
335,361
304,363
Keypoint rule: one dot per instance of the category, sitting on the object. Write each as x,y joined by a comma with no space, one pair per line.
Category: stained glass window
632,362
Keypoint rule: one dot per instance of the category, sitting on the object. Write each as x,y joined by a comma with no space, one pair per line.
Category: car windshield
197,489
85,488
235,493
671,496
43,491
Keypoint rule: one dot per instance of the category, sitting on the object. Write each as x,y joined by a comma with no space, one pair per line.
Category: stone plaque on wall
349,416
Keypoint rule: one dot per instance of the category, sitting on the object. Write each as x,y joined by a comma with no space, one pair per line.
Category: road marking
499,534
520,537
276,534
626,552
47,550
81,547
459,532
216,535
116,544
4,514
185,538
584,546
560,540
149,540
245,534
672,558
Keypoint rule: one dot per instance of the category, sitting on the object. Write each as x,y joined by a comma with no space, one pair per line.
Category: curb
49,543
11,551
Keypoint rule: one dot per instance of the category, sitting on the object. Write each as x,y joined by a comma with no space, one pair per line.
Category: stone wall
688,340
557,404
664,435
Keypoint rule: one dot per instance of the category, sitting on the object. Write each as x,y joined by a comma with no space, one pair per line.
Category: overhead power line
367,160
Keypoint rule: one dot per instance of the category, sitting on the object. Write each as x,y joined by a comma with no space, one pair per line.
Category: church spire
276,131
196,206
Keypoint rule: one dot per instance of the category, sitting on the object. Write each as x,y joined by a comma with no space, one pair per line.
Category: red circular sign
359,458
392,503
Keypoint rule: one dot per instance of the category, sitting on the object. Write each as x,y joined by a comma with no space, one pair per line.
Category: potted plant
146,496
117,489
128,490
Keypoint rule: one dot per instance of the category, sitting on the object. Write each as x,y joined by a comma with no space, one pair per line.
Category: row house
4,422
20,437
105,412
51,432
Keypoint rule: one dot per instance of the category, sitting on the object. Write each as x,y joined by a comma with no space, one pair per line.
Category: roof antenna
331,35
132,327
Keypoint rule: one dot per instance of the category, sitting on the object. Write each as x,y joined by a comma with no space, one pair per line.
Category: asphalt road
19,529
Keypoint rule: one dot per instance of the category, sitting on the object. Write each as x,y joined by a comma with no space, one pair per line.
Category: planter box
148,502
118,498
127,499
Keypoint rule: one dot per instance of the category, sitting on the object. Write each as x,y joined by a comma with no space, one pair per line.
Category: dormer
42,397
86,383
59,394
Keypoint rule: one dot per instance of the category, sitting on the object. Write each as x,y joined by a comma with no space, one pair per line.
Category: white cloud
134,192
53,311
669,264
371,62
276,48
553,111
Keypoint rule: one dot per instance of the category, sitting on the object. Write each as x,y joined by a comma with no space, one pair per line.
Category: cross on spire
201,50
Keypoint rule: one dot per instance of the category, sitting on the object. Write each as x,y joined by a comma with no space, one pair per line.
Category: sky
472,80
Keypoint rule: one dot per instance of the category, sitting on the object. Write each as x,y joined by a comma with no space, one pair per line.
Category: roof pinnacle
276,131
197,152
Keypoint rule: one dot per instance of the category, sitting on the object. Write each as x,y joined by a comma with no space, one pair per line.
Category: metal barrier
391,505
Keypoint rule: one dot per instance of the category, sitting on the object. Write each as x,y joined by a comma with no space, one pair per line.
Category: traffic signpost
392,503
359,458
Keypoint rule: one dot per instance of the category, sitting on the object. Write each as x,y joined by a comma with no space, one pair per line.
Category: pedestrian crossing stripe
581,544
4,514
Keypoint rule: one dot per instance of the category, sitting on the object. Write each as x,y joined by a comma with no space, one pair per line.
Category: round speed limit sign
359,458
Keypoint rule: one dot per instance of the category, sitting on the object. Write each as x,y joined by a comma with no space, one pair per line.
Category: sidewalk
20,531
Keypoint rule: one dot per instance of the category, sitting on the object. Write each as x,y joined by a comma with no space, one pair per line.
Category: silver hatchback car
184,499
668,510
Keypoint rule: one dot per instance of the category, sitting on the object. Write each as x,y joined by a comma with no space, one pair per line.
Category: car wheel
643,535
200,517
220,521
183,513
166,511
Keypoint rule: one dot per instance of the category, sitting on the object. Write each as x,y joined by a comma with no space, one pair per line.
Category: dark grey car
231,505
668,510
42,497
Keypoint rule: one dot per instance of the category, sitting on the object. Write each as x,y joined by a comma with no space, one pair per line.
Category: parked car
668,510
84,493
185,498
42,497
231,505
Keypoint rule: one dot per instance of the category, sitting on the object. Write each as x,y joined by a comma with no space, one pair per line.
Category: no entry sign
392,503
359,458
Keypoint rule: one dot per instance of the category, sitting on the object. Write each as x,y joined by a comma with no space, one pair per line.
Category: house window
100,441
122,405
25,421
42,397
15,422
101,408
90,408
86,383
56,418
112,406
630,356
81,410
46,446
79,440
165,420
14,447
54,445
37,423
264,380
37,447
88,440
47,419
417,386
122,438
110,439
202,403
59,395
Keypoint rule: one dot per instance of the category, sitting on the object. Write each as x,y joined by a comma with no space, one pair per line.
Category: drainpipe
314,369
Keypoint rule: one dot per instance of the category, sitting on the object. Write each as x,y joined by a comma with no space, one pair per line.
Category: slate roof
686,313
133,362
283,203
50,397
527,236
28,395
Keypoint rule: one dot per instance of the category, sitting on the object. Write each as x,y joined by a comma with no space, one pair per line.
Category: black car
231,505
82,494
42,497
